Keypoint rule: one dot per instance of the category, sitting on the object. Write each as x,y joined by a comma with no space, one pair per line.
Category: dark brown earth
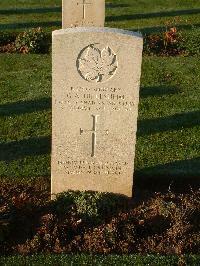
153,222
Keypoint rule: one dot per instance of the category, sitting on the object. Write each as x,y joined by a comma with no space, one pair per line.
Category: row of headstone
96,77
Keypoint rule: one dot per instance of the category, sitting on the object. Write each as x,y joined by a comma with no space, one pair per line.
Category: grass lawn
168,128
100,260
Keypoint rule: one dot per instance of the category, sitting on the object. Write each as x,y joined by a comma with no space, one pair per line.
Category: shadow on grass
30,10
154,15
15,26
116,5
22,107
43,10
27,147
157,91
179,175
174,122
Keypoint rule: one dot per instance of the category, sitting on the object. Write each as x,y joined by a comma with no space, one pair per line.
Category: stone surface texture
96,77
86,13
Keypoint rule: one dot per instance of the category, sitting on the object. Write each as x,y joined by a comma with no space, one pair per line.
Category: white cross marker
84,4
94,133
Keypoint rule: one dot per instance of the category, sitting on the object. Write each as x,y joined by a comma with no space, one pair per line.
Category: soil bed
98,223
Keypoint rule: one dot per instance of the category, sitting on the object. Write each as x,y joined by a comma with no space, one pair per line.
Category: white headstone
96,77
86,13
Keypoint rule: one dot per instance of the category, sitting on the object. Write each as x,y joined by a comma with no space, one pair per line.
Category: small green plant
82,203
91,206
32,41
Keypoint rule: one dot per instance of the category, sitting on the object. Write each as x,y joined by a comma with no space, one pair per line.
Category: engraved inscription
94,133
96,99
97,65
76,167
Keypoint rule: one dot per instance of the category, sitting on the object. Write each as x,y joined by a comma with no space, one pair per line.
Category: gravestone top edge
97,29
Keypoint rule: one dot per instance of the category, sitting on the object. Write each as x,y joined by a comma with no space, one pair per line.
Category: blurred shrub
173,42
166,43
32,41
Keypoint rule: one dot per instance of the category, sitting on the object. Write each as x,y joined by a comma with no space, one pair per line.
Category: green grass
25,115
169,118
136,260
168,128
8,4
146,16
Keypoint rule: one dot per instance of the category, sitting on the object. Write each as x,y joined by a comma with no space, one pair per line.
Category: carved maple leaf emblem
97,65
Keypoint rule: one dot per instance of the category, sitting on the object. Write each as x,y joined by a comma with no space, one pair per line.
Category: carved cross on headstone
94,133
84,3
83,13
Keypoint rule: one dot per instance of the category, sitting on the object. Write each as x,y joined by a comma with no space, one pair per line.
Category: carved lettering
96,99
73,167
